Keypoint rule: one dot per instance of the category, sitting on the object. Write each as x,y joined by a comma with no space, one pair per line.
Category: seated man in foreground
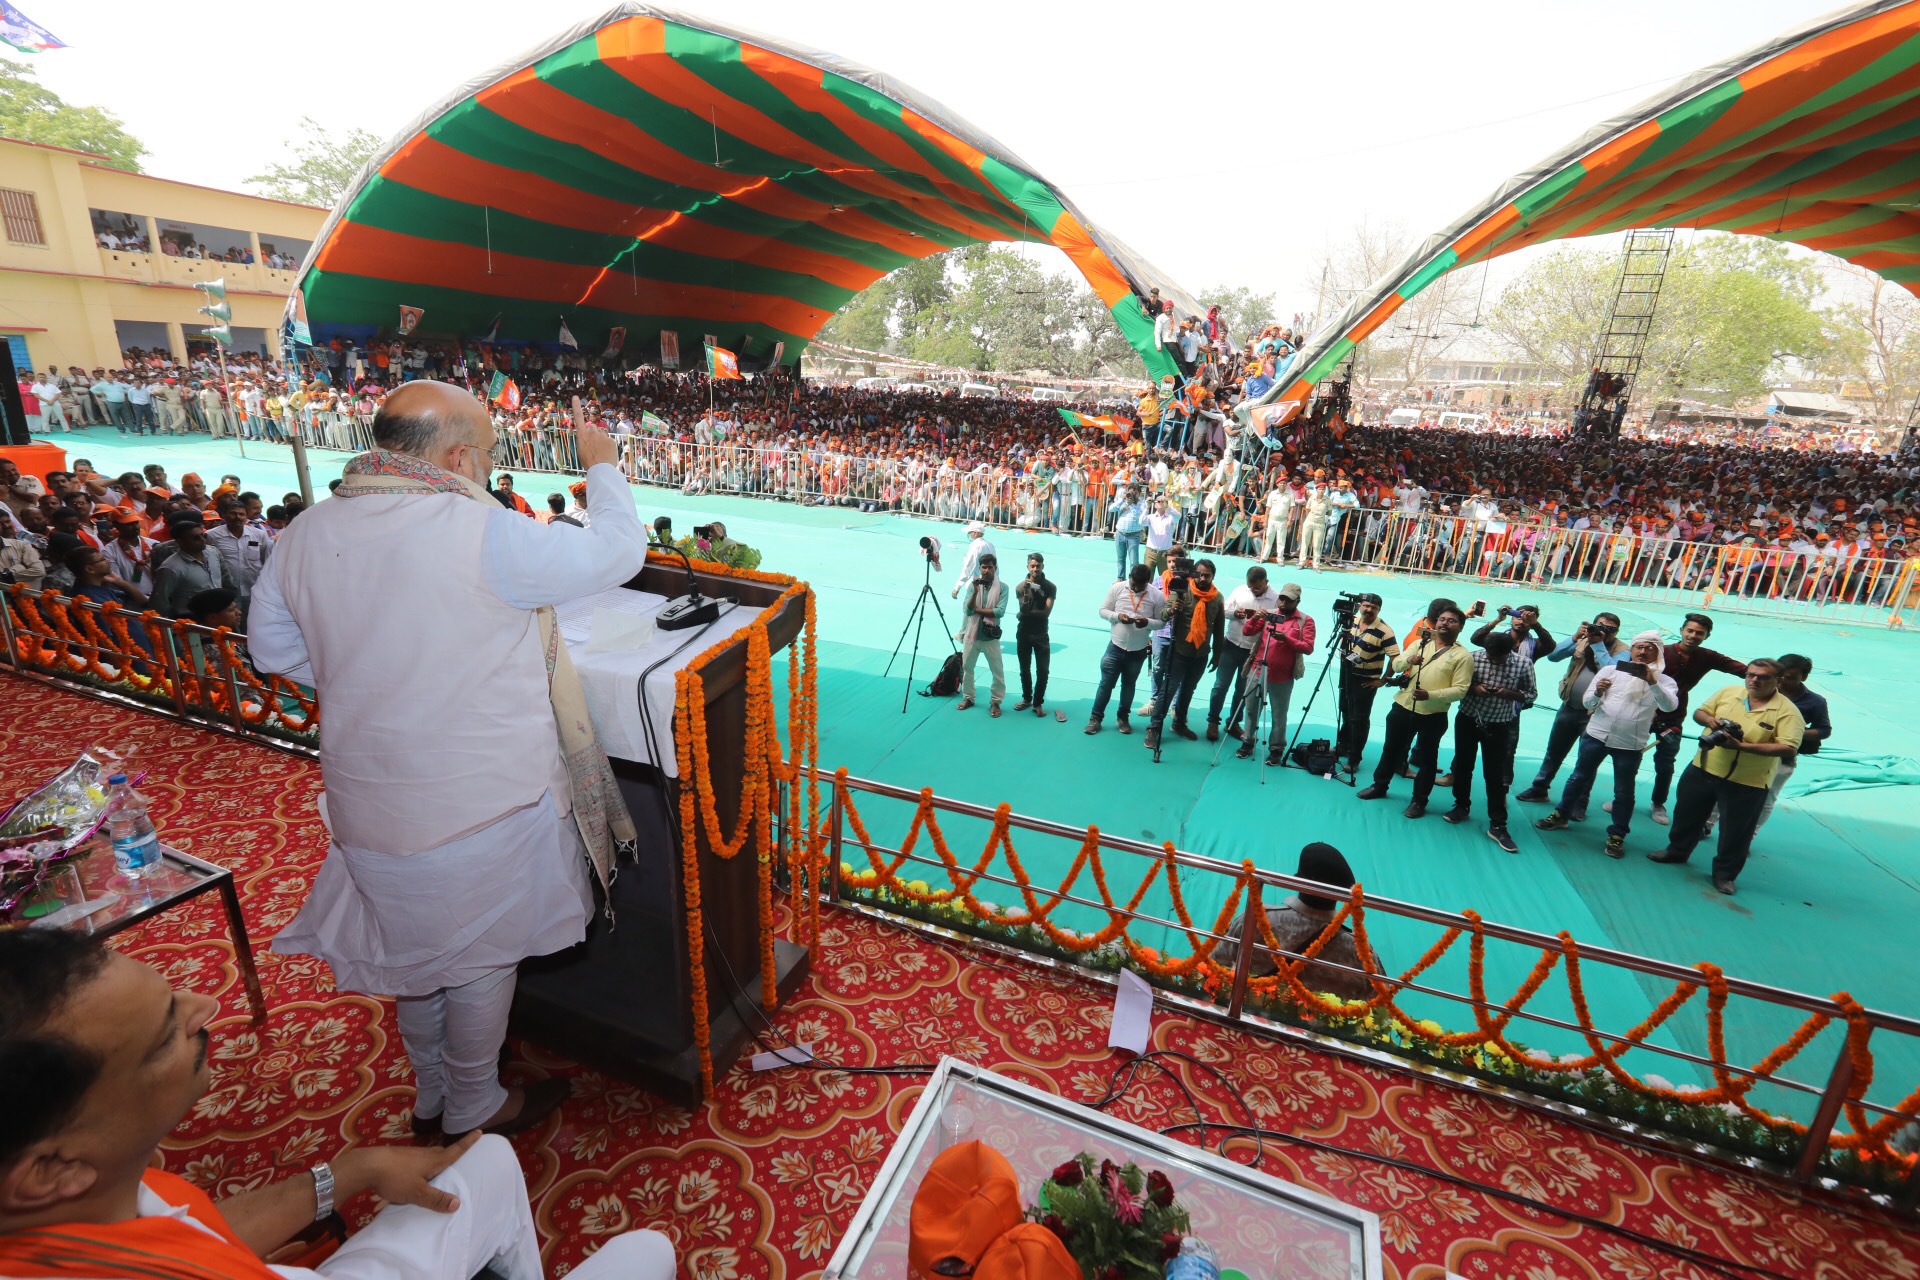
102,1059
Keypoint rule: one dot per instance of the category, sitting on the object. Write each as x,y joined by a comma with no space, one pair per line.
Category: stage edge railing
1592,1086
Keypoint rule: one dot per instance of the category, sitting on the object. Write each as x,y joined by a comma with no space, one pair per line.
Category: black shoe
1185,732
1458,814
1724,885
1417,809
1555,821
541,1099
1668,855
1500,837
1244,753
1373,792
425,1126
1533,795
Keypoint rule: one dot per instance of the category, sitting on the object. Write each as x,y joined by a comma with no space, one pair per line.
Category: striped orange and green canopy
656,172
1812,137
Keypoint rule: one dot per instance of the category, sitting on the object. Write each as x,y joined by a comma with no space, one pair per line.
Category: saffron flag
23,33
1122,427
510,396
652,424
669,349
566,336
410,319
722,364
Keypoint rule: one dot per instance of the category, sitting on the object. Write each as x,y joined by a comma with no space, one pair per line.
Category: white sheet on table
610,678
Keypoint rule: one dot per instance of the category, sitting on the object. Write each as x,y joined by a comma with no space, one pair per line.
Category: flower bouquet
56,821
1118,1222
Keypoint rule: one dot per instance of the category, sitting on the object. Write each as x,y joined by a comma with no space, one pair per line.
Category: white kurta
453,850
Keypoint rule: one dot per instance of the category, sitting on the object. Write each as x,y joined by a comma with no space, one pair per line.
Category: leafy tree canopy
321,163
32,112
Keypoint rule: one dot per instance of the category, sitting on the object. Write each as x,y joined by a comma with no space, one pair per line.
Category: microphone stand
690,610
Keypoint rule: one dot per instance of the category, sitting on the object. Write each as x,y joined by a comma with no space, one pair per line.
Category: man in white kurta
455,851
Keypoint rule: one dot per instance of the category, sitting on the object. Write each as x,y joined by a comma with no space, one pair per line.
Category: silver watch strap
322,1190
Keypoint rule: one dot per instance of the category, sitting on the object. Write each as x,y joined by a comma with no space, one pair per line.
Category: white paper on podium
1132,1013
575,617
614,631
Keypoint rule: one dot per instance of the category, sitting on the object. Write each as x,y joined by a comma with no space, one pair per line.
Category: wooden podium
622,1000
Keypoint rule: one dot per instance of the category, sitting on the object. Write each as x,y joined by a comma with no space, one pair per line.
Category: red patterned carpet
761,1181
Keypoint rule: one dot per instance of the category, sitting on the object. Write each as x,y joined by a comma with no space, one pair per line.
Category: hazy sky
1229,141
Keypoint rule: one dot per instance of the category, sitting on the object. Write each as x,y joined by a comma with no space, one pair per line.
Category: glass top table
89,893
1256,1224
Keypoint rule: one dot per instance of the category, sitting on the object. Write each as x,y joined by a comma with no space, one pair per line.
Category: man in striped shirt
1370,642
1488,725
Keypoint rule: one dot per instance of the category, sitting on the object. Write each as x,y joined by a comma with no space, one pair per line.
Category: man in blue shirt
1129,527
1794,670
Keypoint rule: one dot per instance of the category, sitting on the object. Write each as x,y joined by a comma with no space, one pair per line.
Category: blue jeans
1123,666
1126,548
1226,680
1569,723
1626,763
1157,673
1666,748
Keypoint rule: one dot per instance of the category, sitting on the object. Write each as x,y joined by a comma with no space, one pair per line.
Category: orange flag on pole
722,364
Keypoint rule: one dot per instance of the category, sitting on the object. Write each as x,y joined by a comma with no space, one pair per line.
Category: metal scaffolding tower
1643,269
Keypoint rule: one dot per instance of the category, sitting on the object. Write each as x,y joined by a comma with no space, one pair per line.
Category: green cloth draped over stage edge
651,171
1809,137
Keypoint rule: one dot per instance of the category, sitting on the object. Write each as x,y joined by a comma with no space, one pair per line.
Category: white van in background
1403,417
979,391
1048,395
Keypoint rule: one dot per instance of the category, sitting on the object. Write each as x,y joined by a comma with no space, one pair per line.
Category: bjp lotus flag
410,319
722,364
508,396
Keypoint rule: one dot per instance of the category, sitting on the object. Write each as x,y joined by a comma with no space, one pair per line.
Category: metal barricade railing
1774,582
845,839
195,673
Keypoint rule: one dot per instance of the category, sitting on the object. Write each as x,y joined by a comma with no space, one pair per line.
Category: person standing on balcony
466,841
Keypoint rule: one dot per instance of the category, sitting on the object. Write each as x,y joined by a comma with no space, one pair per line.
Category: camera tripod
1337,646
915,621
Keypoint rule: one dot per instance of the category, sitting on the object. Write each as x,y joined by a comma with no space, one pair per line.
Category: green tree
322,163
32,112
1731,310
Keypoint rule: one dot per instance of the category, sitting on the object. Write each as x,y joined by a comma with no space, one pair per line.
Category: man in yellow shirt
1749,730
1439,672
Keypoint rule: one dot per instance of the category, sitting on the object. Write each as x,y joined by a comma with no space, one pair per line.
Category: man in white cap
977,546
1623,700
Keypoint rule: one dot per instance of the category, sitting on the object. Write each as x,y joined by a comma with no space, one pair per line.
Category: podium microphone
690,610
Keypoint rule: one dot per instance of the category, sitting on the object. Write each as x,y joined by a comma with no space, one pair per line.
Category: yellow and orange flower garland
764,767
1869,1139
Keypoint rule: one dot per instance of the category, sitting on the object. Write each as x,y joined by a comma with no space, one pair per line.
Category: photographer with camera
1489,726
1370,643
980,633
1130,609
1129,512
1591,648
1282,638
1530,640
1748,732
1036,596
1622,702
1432,676
1196,616
1254,598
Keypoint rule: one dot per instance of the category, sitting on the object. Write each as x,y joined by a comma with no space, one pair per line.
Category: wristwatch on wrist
322,1190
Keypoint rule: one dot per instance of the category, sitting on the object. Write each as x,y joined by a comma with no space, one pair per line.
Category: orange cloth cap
968,1198
1028,1252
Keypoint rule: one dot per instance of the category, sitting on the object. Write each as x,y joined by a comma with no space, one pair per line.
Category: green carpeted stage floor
1827,904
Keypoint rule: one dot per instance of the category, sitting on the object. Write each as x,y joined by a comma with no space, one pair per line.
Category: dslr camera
703,531
1345,605
1723,737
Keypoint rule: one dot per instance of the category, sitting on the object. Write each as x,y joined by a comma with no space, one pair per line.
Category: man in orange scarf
102,1059
1197,616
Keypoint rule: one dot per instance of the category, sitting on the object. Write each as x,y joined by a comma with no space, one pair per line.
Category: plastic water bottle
1195,1261
136,842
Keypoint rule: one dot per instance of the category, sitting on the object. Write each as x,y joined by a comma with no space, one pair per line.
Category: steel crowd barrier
1828,585
195,673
